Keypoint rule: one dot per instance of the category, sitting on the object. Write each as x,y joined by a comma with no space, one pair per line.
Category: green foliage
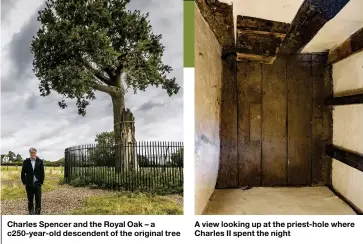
14,159
178,158
143,161
83,46
106,138
59,162
12,156
104,152
19,158
156,180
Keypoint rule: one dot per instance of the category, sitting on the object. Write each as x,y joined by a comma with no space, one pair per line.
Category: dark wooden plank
350,46
259,39
240,56
328,122
258,43
255,122
350,158
228,176
299,97
344,100
356,41
310,18
319,164
274,107
257,24
249,152
340,52
257,58
219,17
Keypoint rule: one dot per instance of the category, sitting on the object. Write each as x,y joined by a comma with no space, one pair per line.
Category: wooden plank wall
249,77
274,123
281,122
299,119
322,123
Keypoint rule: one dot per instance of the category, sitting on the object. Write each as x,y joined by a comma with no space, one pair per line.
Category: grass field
129,203
12,188
64,199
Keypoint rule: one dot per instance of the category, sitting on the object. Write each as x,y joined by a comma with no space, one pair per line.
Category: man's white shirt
33,165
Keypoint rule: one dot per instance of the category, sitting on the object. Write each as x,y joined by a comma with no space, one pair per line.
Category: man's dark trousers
34,191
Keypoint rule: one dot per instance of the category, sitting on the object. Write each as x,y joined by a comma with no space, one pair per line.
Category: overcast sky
29,120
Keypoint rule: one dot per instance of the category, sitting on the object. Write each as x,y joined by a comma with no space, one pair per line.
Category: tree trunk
118,110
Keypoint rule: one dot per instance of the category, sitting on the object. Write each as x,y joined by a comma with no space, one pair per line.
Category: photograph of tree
96,88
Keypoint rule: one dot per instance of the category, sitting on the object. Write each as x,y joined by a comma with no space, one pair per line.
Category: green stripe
188,33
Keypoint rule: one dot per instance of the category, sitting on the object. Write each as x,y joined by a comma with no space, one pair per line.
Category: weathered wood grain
353,159
249,152
281,122
255,122
350,46
344,100
310,18
299,80
258,24
328,122
257,58
274,139
258,40
319,162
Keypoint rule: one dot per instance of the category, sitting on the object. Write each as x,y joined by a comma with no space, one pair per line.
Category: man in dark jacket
32,176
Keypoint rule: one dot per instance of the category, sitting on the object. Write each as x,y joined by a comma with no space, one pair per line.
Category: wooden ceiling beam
219,17
310,18
352,45
258,39
257,24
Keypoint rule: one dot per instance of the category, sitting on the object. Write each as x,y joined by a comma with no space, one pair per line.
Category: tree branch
120,67
97,73
109,72
111,91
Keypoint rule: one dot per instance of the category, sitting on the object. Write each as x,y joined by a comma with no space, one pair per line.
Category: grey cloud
6,7
56,132
19,55
32,101
149,105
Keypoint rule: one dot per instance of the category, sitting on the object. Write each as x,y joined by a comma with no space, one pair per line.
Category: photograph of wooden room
278,107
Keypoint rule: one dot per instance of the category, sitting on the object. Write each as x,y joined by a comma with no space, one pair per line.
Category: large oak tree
88,45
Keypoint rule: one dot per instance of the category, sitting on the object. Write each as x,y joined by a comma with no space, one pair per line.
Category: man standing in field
32,176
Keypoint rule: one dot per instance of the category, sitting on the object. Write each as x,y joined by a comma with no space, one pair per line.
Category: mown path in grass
64,199
59,201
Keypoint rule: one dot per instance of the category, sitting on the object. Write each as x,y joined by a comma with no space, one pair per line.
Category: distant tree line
16,159
11,157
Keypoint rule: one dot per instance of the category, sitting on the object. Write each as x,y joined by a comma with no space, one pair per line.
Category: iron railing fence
139,166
